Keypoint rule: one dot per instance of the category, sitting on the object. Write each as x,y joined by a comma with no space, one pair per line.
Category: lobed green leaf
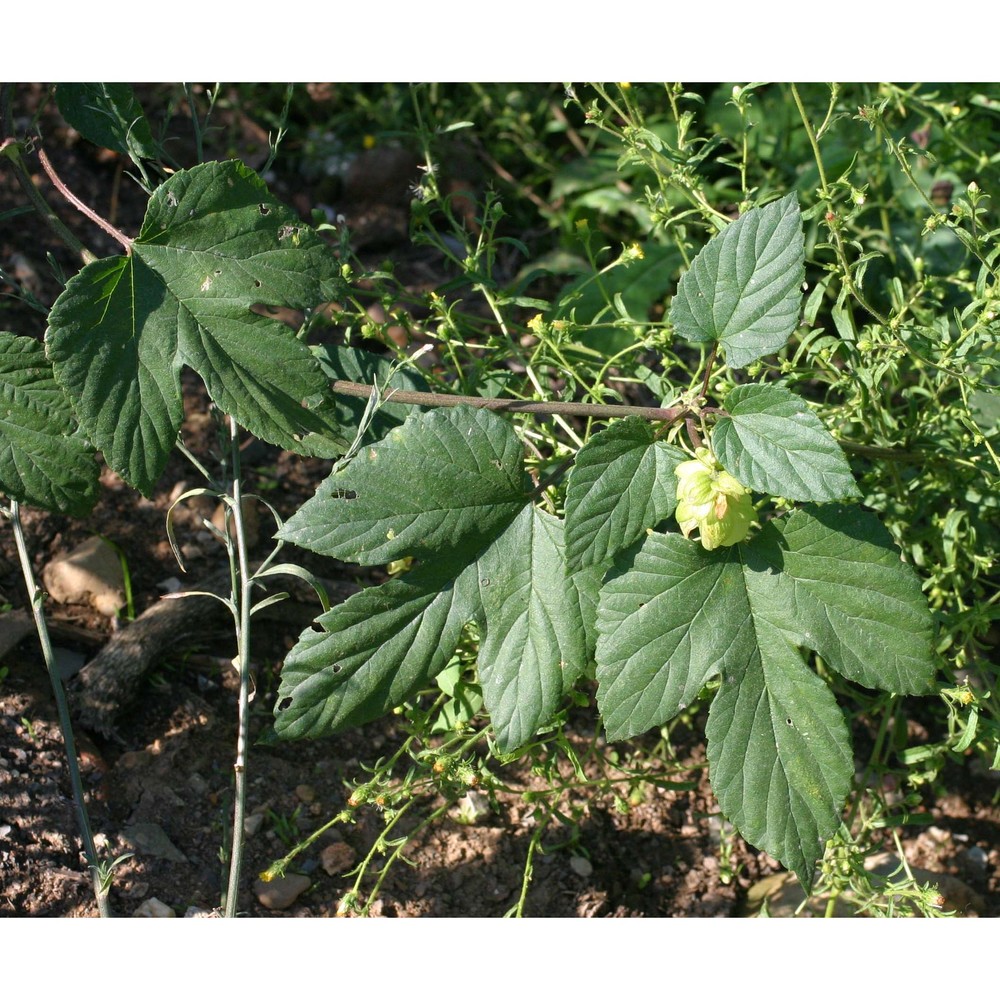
672,616
214,246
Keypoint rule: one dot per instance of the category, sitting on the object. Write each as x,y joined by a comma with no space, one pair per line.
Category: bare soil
161,789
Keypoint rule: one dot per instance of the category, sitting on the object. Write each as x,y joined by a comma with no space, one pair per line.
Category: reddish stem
80,206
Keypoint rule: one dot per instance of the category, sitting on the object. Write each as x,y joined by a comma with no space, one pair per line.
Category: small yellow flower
713,501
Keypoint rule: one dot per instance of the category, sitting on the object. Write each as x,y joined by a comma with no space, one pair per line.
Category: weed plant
765,315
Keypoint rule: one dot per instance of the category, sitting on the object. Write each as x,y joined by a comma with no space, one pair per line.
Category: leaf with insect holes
743,290
673,616
215,246
44,462
449,488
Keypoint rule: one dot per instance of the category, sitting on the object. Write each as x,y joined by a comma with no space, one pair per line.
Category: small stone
197,783
581,866
90,574
151,839
152,907
977,857
337,858
135,759
198,912
253,823
305,793
280,893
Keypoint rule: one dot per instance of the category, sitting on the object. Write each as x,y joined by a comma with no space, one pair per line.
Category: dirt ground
161,788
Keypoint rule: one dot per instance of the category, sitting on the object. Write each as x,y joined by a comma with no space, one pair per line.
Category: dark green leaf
534,648
673,616
449,487
213,246
43,461
743,289
350,364
621,484
780,754
109,115
441,479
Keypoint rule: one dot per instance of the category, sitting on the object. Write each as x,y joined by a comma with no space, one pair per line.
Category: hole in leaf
263,209
788,721
336,668
284,703
341,494
256,283
317,628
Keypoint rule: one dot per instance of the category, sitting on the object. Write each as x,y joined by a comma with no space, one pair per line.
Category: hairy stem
599,410
79,205
12,150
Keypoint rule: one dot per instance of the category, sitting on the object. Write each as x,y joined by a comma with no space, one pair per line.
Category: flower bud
713,501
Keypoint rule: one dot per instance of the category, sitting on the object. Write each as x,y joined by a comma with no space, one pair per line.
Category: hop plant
713,501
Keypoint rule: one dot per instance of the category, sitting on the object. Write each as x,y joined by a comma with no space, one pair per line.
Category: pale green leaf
773,443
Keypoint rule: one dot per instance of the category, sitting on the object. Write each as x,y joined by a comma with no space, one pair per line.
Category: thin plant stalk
37,598
241,614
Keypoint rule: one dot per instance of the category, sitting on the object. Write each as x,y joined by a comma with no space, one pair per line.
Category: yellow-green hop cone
713,501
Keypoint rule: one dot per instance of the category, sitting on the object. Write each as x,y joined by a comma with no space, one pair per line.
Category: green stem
37,599
827,197
242,616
